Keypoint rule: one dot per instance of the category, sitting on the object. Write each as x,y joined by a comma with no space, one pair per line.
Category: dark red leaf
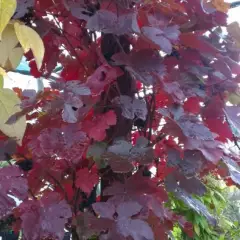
86,180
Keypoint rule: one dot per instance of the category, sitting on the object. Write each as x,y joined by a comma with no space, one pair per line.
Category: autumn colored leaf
29,39
7,9
137,103
220,5
86,180
11,53
10,105
46,217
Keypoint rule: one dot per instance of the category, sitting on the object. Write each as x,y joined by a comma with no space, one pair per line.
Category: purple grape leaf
192,163
126,106
173,157
191,185
136,228
128,209
104,209
108,22
189,165
71,106
172,32
120,164
234,169
140,108
232,115
77,88
23,7
211,150
192,128
162,38
7,147
79,11
72,134
222,66
120,147
157,208
173,88
44,218
147,71
156,35
132,107
12,183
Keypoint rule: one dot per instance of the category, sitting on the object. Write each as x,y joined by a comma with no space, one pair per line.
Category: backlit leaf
9,105
7,9
29,39
11,53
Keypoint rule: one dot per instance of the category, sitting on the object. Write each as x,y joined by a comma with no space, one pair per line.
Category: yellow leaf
1,82
9,105
7,9
234,98
29,39
220,5
2,72
11,54
196,229
234,31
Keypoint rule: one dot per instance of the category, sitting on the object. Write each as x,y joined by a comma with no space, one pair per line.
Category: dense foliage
142,104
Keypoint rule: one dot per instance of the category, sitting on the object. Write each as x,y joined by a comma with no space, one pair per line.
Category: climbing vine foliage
141,101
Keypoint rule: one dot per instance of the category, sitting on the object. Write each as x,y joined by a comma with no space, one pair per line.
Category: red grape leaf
102,76
86,180
96,128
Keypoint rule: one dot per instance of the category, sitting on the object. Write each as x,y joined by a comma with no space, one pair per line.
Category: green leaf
7,9
9,105
196,229
95,151
1,81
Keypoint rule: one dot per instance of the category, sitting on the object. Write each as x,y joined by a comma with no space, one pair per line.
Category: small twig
59,185
159,138
152,107
31,193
